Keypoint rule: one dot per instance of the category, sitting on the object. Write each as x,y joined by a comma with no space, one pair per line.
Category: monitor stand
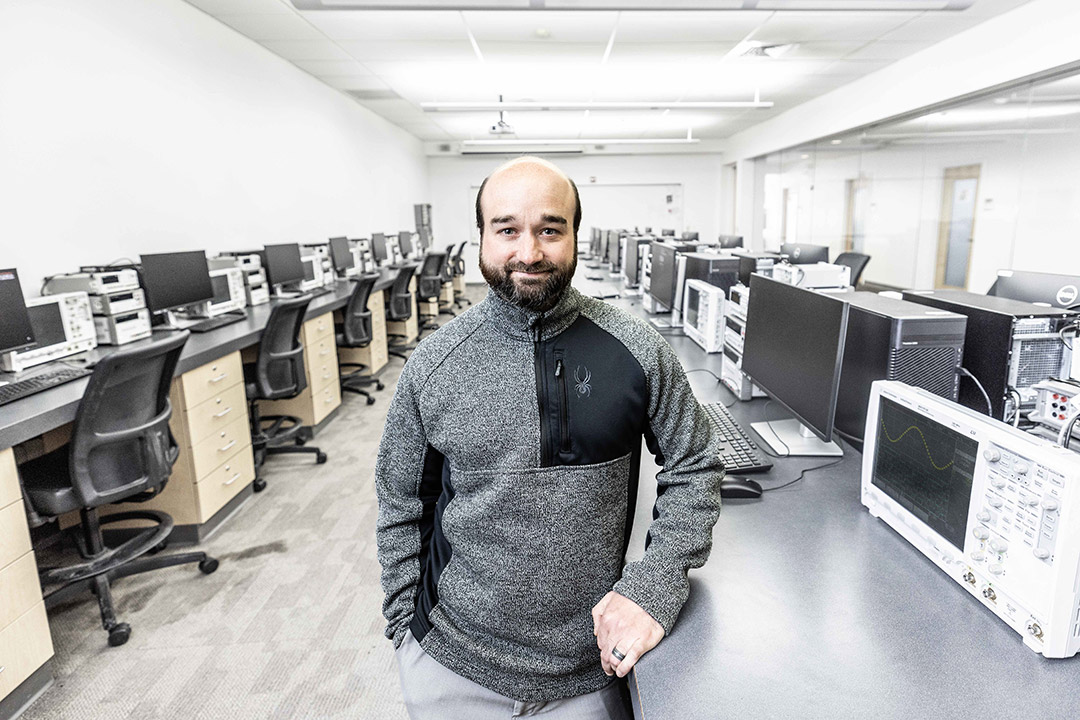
791,437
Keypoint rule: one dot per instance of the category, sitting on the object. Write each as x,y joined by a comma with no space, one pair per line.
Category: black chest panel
592,396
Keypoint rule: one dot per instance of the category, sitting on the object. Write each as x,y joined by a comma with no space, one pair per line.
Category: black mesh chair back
356,327
400,307
855,261
448,265
430,284
120,443
279,368
459,260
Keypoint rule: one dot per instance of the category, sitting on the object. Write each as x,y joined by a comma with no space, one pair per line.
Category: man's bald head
528,165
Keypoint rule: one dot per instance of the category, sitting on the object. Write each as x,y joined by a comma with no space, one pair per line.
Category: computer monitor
378,248
728,242
175,280
283,264
405,243
668,232
803,254
662,274
793,350
340,254
16,332
1037,287
687,235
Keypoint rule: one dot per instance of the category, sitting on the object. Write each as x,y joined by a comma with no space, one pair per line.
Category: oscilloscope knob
997,482
1041,553
999,546
992,454
982,516
981,533
1050,504
1022,468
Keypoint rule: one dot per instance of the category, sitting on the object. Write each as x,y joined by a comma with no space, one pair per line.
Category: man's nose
529,250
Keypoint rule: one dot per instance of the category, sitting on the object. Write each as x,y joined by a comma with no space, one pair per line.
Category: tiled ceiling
391,61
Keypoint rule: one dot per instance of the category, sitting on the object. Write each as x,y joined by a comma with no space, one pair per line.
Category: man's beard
537,295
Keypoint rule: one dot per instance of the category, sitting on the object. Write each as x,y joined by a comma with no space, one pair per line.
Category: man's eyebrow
502,219
554,219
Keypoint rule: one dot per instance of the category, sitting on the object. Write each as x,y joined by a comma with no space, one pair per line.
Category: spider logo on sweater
584,389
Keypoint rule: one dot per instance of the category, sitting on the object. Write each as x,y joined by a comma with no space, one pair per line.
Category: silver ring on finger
616,654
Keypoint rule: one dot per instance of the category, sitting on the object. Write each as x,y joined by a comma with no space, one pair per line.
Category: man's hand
619,622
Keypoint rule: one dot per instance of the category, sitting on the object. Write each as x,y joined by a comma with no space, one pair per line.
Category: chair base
269,440
105,565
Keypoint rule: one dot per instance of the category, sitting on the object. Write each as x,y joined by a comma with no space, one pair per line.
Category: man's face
527,248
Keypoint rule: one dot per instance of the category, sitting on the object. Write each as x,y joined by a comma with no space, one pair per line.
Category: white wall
129,126
453,182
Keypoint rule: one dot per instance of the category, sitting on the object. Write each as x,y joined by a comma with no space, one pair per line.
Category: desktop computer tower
631,265
1009,346
895,340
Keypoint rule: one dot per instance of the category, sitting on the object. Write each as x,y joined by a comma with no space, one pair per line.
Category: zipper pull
558,368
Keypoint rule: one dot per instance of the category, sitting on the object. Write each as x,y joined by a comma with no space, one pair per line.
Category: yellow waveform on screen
916,429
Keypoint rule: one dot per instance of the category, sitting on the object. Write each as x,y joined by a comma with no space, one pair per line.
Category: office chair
855,261
447,276
399,309
121,450
356,332
429,287
458,270
278,373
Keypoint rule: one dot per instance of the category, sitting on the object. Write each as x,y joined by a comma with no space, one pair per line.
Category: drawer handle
219,378
223,449
324,352
224,412
233,479
326,376
328,400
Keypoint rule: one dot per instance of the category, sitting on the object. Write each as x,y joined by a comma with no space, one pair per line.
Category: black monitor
730,241
424,236
668,232
283,264
175,280
16,332
793,350
405,243
48,324
662,274
803,254
378,248
1037,287
340,254
687,235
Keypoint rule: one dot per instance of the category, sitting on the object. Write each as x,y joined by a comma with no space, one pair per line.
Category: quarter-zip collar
521,324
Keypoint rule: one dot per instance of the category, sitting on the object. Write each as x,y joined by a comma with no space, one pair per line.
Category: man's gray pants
434,692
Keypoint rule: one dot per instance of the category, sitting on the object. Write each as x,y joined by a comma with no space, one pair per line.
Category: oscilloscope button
991,454
999,546
983,516
995,569
978,556
981,533
997,482
1041,553
1050,504
994,502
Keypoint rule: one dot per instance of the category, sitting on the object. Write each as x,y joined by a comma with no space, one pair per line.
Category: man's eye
506,231
550,231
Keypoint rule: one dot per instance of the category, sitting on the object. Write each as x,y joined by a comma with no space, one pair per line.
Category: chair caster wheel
208,566
158,548
320,458
379,386
119,634
371,401
301,440
259,485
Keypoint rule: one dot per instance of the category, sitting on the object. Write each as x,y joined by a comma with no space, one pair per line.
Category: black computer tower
889,339
1009,346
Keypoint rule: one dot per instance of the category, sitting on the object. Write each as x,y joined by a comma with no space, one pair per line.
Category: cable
765,413
802,473
719,382
1065,433
704,370
1061,334
989,405
1016,408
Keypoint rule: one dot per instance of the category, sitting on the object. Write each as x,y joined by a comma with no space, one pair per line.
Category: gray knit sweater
507,478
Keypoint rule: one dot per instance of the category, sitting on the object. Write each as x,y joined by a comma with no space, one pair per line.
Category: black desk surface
36,414
811,608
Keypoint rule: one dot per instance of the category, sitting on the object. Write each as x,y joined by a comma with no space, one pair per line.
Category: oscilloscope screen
925,467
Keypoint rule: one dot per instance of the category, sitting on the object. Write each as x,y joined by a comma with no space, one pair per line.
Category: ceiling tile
236,7
272,27
306,49
428,51
839,26
564,26
339,68
389,25
678,27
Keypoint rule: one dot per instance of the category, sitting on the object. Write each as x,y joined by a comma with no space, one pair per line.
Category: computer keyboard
39,383
216,322
739,453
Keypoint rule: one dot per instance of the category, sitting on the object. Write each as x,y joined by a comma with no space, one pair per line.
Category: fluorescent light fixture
583,141
632,5
560,105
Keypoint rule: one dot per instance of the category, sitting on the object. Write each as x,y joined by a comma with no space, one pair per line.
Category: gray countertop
36,414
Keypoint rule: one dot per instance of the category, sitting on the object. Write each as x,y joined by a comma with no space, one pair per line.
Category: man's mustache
543,266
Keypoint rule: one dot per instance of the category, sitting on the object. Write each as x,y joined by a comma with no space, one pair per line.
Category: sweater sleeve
686,446
399,471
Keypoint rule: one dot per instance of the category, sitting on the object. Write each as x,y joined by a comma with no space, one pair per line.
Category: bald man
507,480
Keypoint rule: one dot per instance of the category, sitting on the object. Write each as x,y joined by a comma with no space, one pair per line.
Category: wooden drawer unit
205,382
325,401
320,363
317,328
14,533
212,451
9,479
25,645
19,589
223,483
212,415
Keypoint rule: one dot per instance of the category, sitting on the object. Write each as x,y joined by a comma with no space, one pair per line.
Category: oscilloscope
996,509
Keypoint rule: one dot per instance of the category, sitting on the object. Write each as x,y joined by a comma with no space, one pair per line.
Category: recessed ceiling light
543,33
805,156
836,142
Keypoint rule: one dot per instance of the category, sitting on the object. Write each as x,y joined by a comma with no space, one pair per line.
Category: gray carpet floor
290,626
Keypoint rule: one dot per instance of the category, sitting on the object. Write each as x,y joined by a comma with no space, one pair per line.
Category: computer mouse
739,488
